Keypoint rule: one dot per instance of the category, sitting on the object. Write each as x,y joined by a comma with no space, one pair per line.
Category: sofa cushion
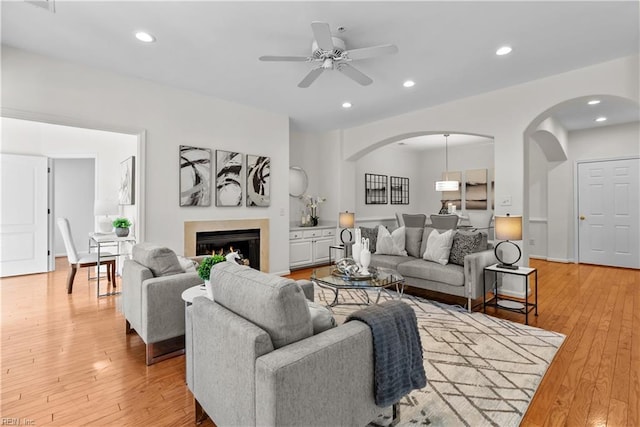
413,241
160,260
274,303
391,243
370,233
414,220
189,265
389,261
450,274
439,246
321,317
464,243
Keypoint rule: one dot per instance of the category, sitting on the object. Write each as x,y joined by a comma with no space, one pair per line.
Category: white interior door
609,212
23,215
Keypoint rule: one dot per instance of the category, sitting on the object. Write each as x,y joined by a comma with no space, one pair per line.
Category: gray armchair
152,285
256,361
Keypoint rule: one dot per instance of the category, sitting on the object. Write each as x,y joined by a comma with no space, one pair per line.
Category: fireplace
242,226
246,243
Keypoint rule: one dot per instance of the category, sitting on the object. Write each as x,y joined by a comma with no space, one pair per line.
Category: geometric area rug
481,370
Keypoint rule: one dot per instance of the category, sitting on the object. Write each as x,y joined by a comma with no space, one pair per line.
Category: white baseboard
544,258
282,273
562,260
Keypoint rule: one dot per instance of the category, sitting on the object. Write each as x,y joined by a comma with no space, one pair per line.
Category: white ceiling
448,48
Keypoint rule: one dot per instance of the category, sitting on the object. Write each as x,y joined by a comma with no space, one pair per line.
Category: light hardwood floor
66,360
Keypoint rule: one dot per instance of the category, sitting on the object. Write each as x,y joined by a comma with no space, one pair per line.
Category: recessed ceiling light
594,102
409,83
145,37
346,105
504,50
601,119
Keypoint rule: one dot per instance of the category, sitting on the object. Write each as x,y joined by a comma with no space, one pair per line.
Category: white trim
282,273
538,220
562,260
544,258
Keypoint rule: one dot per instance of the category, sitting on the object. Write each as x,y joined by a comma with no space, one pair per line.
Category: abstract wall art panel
476,189
228,178
375,189
195,176
453,197
399,190
258,180
126,192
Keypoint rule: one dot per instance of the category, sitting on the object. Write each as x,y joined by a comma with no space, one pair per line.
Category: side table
336,247
506,303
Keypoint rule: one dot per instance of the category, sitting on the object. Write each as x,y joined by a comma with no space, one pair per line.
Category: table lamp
508,228
102,209
346,220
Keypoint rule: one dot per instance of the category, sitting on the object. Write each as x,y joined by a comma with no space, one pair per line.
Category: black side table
506,303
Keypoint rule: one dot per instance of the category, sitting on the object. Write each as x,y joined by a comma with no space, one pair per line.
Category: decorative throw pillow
372,235
413,240
160,260
438,247
391,243
187,264
321,317
463,245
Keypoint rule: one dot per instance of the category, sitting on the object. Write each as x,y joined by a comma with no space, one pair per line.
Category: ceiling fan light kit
332,54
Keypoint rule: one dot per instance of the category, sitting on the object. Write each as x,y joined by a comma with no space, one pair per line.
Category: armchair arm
474,265
327,378
162,306
133,274
307,288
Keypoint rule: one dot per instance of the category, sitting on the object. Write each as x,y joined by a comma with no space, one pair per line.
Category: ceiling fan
332,54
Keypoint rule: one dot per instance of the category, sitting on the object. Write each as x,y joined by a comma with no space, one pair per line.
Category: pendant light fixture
446,184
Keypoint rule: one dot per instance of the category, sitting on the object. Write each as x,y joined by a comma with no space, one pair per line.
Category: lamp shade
447,185
508,227
105,207
347,219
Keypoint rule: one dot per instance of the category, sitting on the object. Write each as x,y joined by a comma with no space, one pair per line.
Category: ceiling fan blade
370,52
322,34
311,77
285,58
354,74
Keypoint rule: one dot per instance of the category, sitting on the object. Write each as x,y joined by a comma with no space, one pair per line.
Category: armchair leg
151,358
201,415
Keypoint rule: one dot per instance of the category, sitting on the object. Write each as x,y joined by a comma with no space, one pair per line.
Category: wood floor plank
66,360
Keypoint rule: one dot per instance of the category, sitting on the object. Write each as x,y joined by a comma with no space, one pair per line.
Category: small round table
195,291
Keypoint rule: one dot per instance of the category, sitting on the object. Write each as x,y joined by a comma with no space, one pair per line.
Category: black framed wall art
195,176
375,189
399,190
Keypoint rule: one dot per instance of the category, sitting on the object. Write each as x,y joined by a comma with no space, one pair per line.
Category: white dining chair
84,259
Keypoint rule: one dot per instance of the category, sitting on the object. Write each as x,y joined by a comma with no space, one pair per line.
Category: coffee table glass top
379,278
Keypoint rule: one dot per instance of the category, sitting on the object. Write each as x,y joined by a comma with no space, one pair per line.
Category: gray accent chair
444,222
255,360
152,284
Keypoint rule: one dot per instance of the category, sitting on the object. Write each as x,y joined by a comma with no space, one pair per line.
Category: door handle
582,217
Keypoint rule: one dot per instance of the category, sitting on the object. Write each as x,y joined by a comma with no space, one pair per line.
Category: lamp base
348,249
508,266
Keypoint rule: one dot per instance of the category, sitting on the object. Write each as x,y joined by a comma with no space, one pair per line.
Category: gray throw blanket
397,350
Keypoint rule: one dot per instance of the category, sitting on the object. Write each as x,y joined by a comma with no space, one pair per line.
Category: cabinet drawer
312,233
329,232
293,235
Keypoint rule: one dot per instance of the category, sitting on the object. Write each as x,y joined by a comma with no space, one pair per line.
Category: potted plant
204,271
122,226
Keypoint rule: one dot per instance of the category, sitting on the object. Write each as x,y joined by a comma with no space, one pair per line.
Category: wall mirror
298,181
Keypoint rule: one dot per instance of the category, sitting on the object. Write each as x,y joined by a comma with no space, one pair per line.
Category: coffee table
380,279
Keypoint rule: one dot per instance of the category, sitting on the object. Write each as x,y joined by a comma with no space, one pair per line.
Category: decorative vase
209,288
122,232
314,220
356,250
365,260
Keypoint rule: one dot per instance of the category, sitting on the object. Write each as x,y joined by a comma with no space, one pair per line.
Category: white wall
504,115
74,187
552,192
63,92
461,159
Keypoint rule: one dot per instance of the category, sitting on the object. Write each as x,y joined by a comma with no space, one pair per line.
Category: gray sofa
460,280
253,358
152,284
